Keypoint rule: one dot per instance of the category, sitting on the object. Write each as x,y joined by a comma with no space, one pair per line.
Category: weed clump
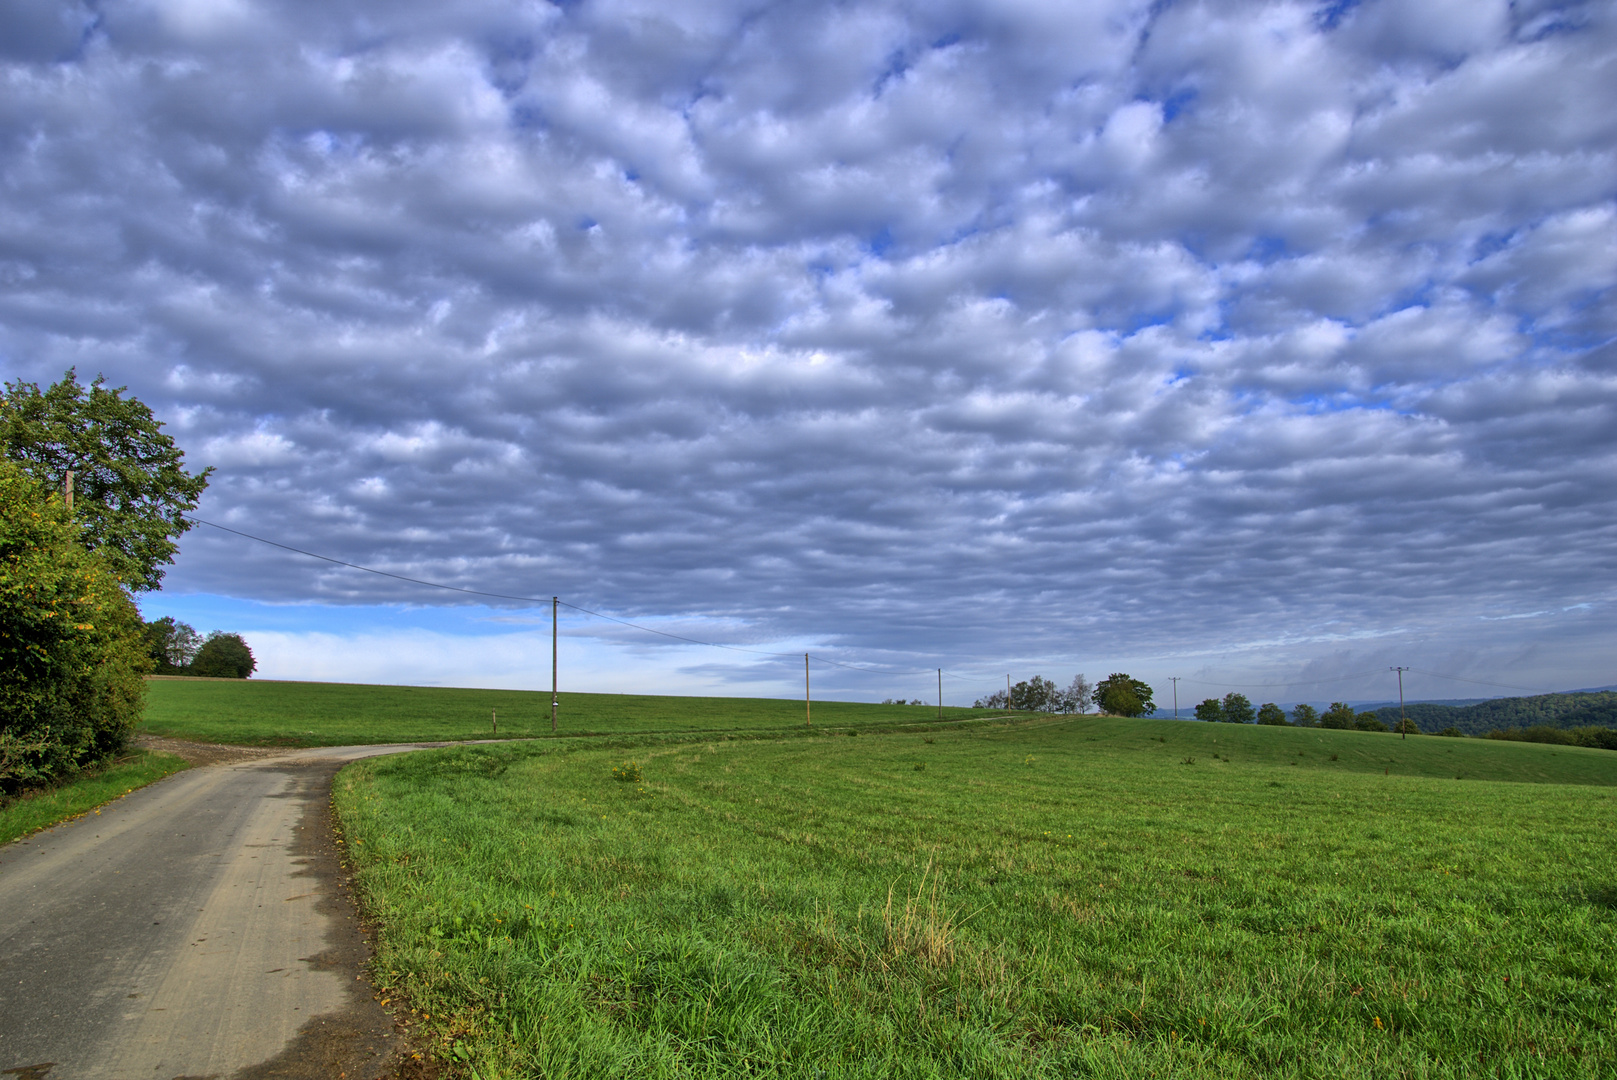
629,772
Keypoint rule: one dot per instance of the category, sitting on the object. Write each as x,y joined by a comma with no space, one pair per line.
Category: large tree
1272,715
131,490
72,646
1237,708
226,656
1339,716
1305,715
1078,695
1123,695
1210,710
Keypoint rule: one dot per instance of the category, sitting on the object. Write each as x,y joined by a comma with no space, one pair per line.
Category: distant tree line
1555,711
1039,694
1118,694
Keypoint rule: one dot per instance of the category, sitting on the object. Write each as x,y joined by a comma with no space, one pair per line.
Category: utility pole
1403,724
1007,692
69,491
940,693
555,603
1175,680
808,699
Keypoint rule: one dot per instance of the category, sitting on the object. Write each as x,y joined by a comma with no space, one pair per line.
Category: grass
1091,897
33,811
247,712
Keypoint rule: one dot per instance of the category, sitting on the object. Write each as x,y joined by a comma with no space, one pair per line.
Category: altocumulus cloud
1235,340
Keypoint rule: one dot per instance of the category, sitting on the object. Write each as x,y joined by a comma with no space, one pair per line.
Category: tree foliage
1210,710
72,645
1078,695
1369,721
1237,708
226,656
1339,716
171,645
1305,715
1272,715
1123,695
1039,694
131,490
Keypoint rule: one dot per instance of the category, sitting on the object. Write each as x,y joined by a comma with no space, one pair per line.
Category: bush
1452,732
72,645
223,656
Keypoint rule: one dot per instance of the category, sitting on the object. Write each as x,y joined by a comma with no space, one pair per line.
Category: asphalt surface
198,927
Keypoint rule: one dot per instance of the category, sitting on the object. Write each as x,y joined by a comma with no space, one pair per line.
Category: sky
1265,345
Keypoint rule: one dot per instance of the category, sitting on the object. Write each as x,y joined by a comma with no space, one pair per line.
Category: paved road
195,928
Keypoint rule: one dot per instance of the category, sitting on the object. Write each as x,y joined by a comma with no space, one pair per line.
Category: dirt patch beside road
197,753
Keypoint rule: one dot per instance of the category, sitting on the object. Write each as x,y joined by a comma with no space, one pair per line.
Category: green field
247,712
39,810
1079,897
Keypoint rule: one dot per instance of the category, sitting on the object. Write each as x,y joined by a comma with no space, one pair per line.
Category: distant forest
1561,711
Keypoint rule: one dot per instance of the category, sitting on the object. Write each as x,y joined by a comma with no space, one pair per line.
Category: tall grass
1041,900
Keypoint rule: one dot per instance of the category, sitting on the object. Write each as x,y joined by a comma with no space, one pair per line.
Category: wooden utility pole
1175,680
494,719
1007,691
555,603
69,491
940,693
808,699
1403,724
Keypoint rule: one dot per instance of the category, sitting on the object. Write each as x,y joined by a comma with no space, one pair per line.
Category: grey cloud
974,331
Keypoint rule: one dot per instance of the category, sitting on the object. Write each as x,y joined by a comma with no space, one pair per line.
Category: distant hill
1563,711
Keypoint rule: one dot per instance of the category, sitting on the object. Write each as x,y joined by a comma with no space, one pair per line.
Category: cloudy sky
1254,343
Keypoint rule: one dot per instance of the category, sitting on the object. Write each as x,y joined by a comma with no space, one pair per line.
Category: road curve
194,928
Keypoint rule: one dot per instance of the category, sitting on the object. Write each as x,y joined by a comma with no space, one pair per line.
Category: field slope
250,712
1048,898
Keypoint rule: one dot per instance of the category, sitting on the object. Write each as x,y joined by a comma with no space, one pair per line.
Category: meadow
1043,897
249,712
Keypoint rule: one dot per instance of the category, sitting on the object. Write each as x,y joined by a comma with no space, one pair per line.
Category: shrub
1452,732
72,645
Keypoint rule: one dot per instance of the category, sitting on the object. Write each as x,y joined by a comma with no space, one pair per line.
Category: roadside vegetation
1039,897
41,808
337,714
92,497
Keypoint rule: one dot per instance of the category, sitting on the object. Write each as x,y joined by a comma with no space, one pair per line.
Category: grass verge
1081,897
248,712
37,810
